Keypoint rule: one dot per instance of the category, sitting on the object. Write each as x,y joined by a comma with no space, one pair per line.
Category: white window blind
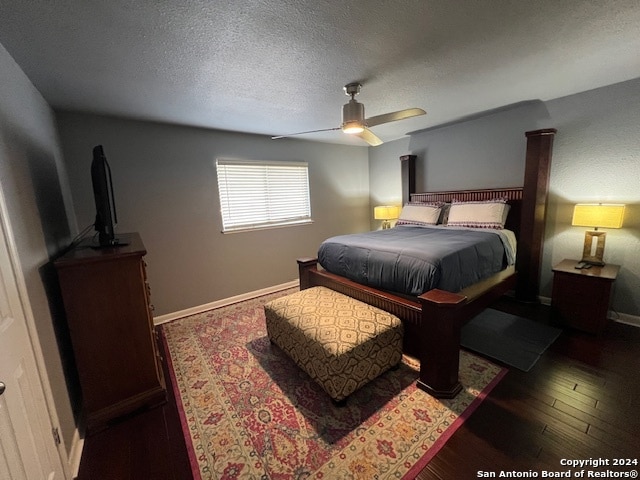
256,194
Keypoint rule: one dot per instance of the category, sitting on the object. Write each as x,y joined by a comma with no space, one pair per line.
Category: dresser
108,311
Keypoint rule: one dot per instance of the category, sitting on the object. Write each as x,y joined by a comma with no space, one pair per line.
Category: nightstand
580,297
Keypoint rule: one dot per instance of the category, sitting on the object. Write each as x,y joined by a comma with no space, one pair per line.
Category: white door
27,447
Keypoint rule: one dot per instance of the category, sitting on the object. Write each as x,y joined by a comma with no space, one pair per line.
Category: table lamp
596,216
386,213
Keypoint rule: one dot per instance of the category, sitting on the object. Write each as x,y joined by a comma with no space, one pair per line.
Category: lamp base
589,255
590,261
386,224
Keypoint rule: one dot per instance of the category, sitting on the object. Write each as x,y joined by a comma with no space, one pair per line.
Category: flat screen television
106,216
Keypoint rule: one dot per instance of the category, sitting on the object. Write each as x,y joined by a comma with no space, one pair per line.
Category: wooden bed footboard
432,324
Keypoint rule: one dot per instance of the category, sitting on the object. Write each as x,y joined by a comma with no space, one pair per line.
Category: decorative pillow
420,213
479,214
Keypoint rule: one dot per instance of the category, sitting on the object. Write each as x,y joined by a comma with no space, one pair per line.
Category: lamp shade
598,215
386,212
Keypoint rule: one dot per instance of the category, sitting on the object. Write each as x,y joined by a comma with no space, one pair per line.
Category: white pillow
479,214
420,214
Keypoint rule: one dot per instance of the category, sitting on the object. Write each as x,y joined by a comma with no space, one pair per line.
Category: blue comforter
412,260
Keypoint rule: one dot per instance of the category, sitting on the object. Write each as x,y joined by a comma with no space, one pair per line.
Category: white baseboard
625,318
75,453
224,302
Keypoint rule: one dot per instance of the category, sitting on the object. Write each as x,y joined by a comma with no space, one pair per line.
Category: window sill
268,227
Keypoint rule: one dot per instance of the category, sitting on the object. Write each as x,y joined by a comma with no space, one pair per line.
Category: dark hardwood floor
580,401
145,446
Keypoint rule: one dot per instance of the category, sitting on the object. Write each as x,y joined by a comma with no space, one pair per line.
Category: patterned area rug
249,412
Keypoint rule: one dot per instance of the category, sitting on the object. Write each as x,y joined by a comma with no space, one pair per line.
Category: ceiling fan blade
393,116
369,137
302,133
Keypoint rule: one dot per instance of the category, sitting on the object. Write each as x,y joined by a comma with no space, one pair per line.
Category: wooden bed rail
311,276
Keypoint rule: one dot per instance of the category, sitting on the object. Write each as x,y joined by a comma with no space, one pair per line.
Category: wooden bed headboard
528,206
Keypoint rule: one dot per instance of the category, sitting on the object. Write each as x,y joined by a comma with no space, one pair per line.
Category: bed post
408,175
533,214
440,343
305,266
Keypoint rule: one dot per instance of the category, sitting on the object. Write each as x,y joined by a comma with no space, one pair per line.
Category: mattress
414,259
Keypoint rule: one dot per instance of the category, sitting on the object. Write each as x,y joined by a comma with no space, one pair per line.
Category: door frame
7,232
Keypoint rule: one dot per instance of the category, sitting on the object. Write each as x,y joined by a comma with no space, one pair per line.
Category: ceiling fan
354,123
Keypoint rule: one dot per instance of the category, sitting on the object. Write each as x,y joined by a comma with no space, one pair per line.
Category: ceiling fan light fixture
352,117
355,123
352,127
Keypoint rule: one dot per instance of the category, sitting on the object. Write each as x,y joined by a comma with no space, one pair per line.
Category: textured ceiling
278,66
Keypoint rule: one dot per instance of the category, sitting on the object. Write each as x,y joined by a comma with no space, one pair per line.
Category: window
256,194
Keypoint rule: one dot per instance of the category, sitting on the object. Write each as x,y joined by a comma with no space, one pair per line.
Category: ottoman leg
339,403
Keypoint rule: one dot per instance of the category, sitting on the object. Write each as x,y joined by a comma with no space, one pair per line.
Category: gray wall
31,176
596,158
483,152
166,189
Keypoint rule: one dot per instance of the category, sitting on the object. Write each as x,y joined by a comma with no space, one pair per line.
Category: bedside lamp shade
596,216
386,213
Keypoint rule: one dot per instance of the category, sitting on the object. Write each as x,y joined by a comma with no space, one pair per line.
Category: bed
433,319
411,259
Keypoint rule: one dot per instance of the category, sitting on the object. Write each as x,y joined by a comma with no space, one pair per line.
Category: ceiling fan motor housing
353,115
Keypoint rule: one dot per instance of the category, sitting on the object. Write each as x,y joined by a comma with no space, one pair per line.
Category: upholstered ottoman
338,341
